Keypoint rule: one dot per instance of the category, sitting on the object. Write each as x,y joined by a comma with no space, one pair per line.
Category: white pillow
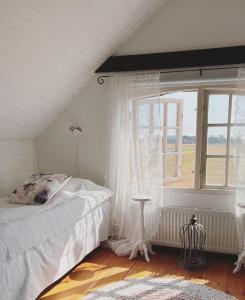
38,188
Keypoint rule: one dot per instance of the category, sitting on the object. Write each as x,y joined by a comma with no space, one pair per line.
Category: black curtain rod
101,79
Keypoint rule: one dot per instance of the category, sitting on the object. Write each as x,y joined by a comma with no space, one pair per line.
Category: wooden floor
102,267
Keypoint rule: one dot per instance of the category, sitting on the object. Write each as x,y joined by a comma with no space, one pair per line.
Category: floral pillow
38,188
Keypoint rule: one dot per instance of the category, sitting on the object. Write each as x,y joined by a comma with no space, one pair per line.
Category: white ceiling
50,48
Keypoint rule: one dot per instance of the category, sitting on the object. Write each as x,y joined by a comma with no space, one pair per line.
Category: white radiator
220,228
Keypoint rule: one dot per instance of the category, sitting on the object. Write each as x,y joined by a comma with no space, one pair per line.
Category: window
198,131
164,120
186,139
219,137
173,119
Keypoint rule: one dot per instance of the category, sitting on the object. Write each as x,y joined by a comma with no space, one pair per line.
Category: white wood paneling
17,161
50,48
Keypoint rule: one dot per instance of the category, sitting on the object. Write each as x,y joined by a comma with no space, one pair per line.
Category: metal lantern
192,236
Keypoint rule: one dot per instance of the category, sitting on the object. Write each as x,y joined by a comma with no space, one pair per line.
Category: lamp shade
76,131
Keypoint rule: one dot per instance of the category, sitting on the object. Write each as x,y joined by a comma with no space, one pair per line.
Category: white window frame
228,125
165,128
200,135
178,144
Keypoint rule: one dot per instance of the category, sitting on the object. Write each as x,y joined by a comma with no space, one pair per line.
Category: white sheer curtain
135,164
239,152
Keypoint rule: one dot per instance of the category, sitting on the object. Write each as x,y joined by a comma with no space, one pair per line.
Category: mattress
33,257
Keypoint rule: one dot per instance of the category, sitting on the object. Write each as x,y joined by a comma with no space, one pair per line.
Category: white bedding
4,203
41,243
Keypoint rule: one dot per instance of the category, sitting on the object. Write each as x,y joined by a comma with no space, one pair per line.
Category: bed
40,243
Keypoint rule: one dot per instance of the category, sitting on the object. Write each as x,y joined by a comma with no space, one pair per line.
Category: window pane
172,115
217,137
158,110
188,99
215,171
218,107
143,140
158,133
236,142
240,169
237,106
156,144
171,166
143,133
171,140
144,115
231,173
233,109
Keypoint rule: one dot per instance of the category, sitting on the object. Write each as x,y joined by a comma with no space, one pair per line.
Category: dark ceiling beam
175,60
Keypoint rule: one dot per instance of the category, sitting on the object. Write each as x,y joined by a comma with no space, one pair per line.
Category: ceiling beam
175,60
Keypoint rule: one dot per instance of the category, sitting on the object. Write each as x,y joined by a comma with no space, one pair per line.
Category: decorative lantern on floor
193,237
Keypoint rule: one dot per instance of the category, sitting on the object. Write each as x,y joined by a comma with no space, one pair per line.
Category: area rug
155,289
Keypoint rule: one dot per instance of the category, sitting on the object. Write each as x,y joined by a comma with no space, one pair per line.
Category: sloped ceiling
50,48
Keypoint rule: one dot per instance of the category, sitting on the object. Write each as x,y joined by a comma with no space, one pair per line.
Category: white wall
57,148
179,25
191,24
17,161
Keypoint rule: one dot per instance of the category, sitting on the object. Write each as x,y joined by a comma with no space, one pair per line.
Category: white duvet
25,230
22,228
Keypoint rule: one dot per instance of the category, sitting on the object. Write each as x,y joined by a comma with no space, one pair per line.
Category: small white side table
241,258
141,245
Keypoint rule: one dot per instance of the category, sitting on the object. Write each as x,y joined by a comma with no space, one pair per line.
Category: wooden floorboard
103,267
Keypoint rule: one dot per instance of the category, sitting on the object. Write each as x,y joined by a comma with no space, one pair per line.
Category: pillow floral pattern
37,189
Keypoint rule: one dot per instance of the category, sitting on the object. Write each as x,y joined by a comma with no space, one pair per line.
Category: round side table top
141,198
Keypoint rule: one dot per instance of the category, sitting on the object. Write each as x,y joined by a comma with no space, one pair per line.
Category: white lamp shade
76,131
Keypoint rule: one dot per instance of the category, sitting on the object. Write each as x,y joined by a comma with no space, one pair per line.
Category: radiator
220,228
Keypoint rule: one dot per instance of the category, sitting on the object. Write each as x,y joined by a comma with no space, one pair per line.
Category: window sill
200,191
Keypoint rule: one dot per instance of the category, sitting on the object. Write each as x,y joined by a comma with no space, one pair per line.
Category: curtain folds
239,154
135,163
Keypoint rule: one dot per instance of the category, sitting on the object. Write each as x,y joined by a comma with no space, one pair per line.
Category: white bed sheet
26,275
4,203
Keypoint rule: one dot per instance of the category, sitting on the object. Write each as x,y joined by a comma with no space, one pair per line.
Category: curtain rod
101,79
